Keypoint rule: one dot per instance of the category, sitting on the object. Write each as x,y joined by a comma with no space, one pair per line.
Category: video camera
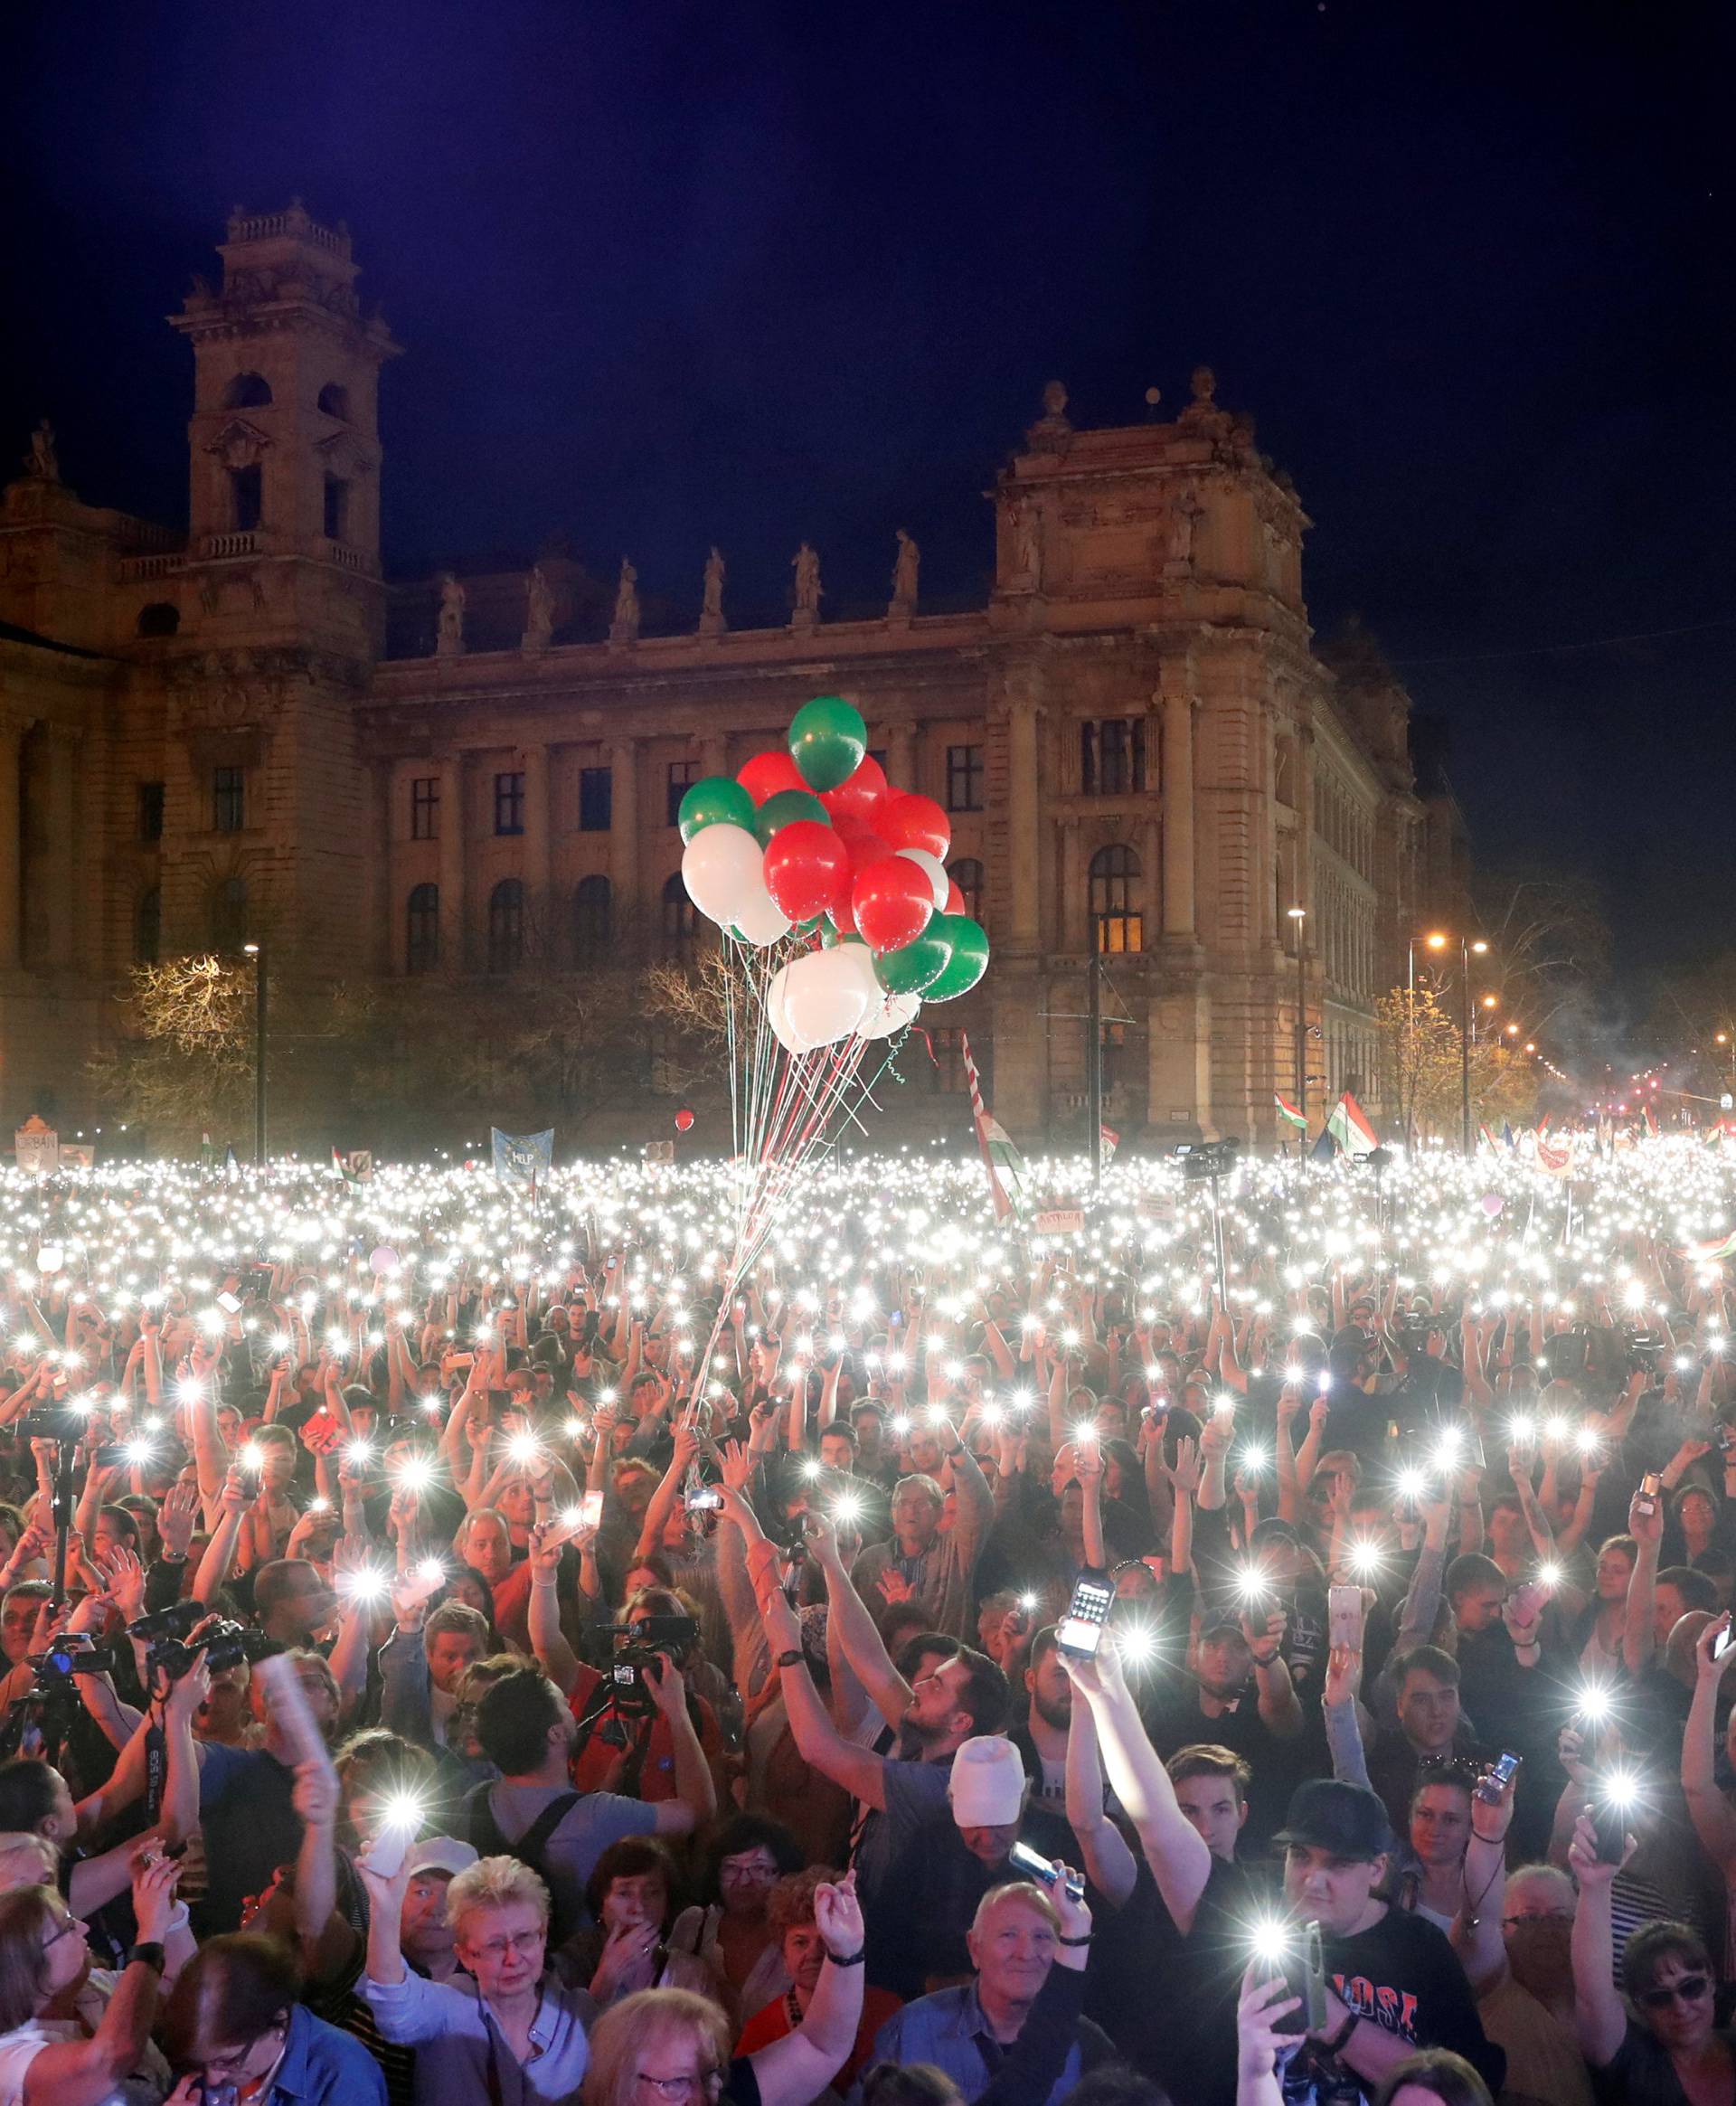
651,1639
64,1659
1201,1159
59,1422
171,1649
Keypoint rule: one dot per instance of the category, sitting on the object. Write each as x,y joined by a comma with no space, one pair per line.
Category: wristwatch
151,1954
1341,2039
794,1657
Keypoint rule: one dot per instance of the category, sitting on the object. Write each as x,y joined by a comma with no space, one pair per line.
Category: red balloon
859,796
864,849
915,821
683,1121
808,869
955,900
767,773
892,903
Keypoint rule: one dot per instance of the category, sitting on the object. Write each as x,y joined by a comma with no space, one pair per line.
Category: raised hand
894,1587
837,1916
1183,1473
123,1580
177,1518
1344,1675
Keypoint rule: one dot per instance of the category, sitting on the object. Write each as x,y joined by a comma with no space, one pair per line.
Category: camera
652,1639
63,1660
171,1649
63,1424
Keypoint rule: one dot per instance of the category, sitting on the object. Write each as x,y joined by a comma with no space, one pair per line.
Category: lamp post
256,951
1438,942
1297,916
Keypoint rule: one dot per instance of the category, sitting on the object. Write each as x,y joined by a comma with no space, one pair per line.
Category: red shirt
592,1766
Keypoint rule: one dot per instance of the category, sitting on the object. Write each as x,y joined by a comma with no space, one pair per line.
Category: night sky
670,273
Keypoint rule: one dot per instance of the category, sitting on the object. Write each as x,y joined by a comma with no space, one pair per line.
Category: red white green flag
1287,1112
1348,1125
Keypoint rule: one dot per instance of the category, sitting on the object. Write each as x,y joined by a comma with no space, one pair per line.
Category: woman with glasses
667,2047
521,2034
234,2024
71,2035
1661,2047
731,1931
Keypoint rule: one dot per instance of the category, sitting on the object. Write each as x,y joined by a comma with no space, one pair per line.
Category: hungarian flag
1710,1253
1650,1117
354,1167
1001,1159
1287,1112
1107,1141
1348,1126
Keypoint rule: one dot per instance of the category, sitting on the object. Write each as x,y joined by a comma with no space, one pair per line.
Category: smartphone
1035,1865
1526,1598
1721,1646
1501,1775
229,1304
388,1850
703,1499
1303,1969
1649,1486
110,1456
1344,1617
1156,1413
1081,1629
1608,1813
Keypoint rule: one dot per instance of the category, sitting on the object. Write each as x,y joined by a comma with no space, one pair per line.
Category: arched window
161,618
228,914
507,926
147,926
967,874
247,391
590,920
1115,907
334,401
677,919
422,928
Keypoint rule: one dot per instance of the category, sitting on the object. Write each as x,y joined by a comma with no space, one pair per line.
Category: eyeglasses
524,1942
229,2064
1688,1990
65,1931
708,2080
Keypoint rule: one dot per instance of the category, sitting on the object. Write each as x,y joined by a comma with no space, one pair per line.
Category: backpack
484,1833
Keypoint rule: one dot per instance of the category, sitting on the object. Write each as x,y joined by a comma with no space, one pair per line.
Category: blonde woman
668,2047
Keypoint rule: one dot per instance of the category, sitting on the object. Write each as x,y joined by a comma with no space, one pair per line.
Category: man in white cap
424,1934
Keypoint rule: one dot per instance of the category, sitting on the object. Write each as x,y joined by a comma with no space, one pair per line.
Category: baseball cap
1326,1814
986,1788
441,1853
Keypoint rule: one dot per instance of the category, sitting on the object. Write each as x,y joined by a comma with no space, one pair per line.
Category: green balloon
914,966
970,960
714,800
827,739
788,805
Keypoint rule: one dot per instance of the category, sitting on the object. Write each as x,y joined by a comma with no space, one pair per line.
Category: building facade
242,731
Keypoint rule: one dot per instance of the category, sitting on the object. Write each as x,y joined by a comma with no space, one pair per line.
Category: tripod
51,1704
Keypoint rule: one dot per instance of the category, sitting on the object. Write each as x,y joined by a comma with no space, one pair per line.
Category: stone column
382,866
1074,930
1023,851
1178,816
624,831
12,733
61,863
714,754
539,915
454,776
900,755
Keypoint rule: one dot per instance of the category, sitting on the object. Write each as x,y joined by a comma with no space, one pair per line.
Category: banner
1061,1221
37,1148
78,1155
522,1159
1107,1141
353,1166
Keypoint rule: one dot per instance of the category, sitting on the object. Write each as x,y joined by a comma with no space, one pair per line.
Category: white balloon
774,1016
762,922
721,870
895,1012
934,870
821,999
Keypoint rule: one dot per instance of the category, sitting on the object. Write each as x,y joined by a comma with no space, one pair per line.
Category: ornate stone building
206,737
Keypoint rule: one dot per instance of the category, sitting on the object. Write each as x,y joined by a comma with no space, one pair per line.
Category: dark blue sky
669,273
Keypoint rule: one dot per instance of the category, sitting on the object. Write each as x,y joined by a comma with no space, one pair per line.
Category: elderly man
499,1912
937,1566
970,2032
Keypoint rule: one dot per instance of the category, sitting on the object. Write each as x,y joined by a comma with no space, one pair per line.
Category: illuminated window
1118,924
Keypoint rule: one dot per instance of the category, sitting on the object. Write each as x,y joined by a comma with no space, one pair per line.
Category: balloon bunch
814,843
832,888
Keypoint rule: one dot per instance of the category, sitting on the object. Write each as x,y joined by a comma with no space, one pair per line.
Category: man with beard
1042,1740
1241,1697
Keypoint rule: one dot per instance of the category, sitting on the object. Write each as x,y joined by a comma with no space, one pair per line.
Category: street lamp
1437,941
256,951
1297,916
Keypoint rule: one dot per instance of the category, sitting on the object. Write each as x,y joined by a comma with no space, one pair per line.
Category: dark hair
752,1832
122,1520
842,1429
1042,1643
1697,1590
1439,2070
26,1794
1472,1569
982,1692
1628,1545
513,1719
1209,1759
233,1990
1431,1660
631,1858
909,2083
1117,2084
1661,1938
924,1641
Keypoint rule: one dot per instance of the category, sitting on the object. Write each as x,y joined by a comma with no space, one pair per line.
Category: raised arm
1598,2018
850,1624
1637,1645
1109,1863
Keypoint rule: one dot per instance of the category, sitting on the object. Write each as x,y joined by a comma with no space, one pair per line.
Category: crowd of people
1268,1641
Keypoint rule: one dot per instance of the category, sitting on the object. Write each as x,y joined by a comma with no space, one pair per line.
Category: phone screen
1081,1629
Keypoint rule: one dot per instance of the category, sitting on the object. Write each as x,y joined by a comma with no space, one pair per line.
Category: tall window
1115,910
682,775
247,497
1112,756
590,920
337,508
677,920
228,799
596,800
425,808
964,778
150,811
509,802
507,926
147,926
967,874
228,914
422,928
